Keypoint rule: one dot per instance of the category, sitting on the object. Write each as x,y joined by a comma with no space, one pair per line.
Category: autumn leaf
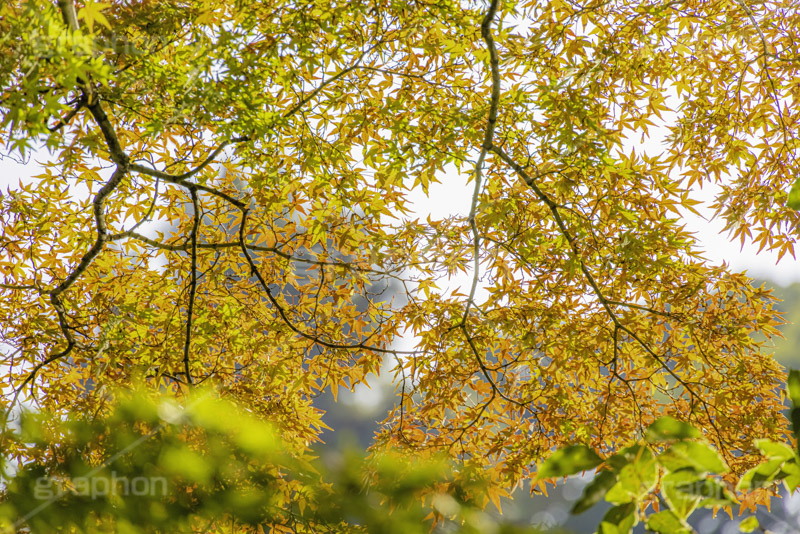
216,193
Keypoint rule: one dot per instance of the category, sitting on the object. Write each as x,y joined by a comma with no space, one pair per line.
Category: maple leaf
226,198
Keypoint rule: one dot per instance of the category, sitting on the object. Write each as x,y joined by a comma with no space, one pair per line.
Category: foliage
223,194
785,351
152,465
676,473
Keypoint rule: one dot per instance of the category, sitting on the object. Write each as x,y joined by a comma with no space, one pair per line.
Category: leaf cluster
152,465
674,471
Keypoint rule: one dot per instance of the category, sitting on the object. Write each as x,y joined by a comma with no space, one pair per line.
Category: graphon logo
100,486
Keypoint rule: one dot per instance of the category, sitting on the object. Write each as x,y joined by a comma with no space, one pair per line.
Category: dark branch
92,102
180,178
256,248
66,119
68,14
192,286
606,303
282,312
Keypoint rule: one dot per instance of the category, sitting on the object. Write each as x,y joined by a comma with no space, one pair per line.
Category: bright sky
764,265
453,196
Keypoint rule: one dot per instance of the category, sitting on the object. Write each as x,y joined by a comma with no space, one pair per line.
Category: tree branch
74,111
494,62
282,312
120,158
179,179
192,286
606,303
257,248
68,14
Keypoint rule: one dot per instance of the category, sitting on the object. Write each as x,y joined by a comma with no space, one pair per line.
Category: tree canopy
221,193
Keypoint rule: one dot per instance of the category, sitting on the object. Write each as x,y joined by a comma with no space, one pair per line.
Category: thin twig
282,312
606,303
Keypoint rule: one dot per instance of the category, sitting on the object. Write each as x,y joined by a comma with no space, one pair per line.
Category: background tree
207,466
589,311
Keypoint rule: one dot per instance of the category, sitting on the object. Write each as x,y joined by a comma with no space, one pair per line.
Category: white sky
453,197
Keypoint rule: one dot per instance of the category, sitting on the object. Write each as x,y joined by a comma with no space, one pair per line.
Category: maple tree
224,192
